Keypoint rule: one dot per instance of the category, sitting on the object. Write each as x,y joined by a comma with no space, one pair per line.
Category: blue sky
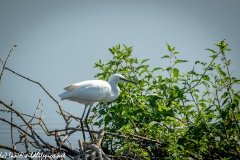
59,41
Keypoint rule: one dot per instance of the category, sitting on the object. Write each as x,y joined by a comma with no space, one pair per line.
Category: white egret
91,91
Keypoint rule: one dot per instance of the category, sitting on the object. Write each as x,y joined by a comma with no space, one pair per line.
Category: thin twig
96,149
8,148
99,138
70,144
4,120
134,137
46,144
80,143
5,62
60,107
57,138
36,140
13,144
34,115
23,119
18,113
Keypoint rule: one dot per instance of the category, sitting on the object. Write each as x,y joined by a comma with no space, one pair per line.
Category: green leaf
175,72
102,112
233,106
225,101
111,50
179,61
165,56
169,47
158,68
196,96
206,78
223,114
213,56
144,60
120,54
168,68
107,119
196,62
118,47
222,73
125,114
225,94
180,146
211,50
153,123
142,71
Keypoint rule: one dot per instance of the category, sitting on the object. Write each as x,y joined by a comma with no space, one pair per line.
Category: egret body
91,91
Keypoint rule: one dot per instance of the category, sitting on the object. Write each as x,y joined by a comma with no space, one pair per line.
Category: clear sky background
59,42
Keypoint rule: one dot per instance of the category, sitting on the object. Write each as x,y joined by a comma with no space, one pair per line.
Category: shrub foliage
193,114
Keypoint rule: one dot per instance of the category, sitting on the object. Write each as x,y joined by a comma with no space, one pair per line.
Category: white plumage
91,91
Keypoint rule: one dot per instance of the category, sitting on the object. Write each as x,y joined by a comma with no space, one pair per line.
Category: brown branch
9,148
13,144
34,115
18,113
96,149
121,157
41,122
4,120
59,106
46,144
134,137
36,140
99,138
5,62
28,125
80,143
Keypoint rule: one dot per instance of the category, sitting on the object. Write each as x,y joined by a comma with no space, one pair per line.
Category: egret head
119,78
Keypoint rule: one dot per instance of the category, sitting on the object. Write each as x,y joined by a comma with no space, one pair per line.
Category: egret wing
73,87
92,90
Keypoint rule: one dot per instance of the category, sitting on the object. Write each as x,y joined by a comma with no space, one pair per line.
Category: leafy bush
192,114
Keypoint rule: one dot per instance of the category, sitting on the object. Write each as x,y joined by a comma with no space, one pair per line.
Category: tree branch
5,62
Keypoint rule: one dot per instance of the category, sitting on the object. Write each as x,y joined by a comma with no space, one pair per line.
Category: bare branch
81,149
4,120
37,141
134,137
5,62
13,144
60,107
34,115
99,138
18,113
96,149
9,148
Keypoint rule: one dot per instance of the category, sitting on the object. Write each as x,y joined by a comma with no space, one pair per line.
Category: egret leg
81,122
86,118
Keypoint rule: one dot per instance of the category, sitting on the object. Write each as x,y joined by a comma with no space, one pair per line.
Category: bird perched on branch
91,91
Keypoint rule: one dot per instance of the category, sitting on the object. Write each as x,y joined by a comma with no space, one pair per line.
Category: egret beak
126,80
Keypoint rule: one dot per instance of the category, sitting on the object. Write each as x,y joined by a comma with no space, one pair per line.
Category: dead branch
59,106
4,120
5,62
13,144
133,137
81,149
99,140
9,148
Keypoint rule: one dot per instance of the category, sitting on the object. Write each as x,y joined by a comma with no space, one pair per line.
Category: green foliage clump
193,114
